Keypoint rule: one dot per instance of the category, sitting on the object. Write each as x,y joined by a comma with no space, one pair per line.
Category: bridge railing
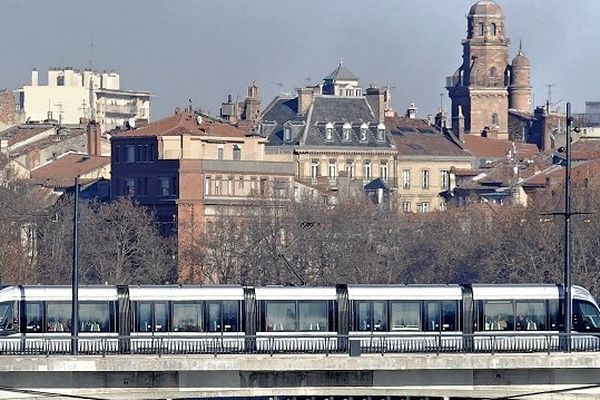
271,344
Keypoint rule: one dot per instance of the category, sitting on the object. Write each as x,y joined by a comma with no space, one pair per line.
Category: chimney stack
305,98
34,77
411,112
94,139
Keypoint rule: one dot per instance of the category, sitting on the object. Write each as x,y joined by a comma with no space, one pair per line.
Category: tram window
214,317
379,316
59,317
363,316
432,316
33,314
160,317
312,316
94,317
585,316
498,315
188,317
7,319
406,316
144,317
281,316
553,312
531,316
231,312
449,312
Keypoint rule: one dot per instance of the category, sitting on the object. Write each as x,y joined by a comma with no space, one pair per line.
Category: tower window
493,72
481,28
494,119
493,29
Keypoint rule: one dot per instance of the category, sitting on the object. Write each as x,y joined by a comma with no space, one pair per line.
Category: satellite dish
131,122
199,119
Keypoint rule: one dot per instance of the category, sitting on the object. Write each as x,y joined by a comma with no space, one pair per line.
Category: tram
230,318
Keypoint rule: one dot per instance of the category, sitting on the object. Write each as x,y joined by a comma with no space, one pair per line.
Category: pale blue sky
203,50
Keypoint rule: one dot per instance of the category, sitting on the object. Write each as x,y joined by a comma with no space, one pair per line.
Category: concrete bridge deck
526,375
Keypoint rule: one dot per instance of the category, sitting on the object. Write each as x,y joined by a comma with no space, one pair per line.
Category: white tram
206,319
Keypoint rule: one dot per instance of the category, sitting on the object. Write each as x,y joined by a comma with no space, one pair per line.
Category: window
331,170
494,119
347,130
7,318
130,186
424,179
531,316
367,169
585,316
188,317
151,316
364,129
142,186
481,29
58,317
423,207
349,92
329,131
312,316
287,133
381,132
165,186
440,316
498,315
280,316
358,92
130,153
383,170
33,313
370,315
493,29
207,186
237,153
445,179
220,152
217,190
241,184
406,206
405,316
95,317
222,316
350,168
117,153
314,169
406,179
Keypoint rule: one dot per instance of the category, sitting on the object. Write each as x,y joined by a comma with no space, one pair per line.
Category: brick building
486,86
190,168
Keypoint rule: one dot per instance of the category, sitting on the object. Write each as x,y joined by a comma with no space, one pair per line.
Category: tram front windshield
6,317
585,316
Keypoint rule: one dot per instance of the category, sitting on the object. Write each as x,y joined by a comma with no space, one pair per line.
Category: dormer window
329,131
287,133
364,128
347,130
380,131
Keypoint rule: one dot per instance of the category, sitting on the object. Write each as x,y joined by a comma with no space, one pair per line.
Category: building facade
486,86
190,168
71,95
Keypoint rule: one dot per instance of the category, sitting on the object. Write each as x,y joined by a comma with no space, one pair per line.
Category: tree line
308,242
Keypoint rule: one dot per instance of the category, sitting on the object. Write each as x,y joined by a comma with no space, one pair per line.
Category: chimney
460,124
305,98
411,112
376,101
34,77
94,143
4,146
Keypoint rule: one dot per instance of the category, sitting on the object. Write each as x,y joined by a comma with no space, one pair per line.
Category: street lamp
75,277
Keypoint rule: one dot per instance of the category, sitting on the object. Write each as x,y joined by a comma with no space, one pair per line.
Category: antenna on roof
190,102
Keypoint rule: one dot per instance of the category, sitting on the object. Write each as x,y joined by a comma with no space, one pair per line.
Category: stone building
486,86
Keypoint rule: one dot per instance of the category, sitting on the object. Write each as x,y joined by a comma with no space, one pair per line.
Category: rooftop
62,172
483,147
184,123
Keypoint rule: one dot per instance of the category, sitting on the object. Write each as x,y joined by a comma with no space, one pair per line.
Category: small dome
520,60
485,7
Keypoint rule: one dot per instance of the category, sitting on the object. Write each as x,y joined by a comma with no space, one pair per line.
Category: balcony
120,109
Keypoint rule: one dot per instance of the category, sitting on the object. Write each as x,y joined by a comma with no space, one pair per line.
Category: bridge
356,374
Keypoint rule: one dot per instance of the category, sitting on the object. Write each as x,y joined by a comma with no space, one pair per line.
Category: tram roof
503,292
295,293
186,293
58,293
404,292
